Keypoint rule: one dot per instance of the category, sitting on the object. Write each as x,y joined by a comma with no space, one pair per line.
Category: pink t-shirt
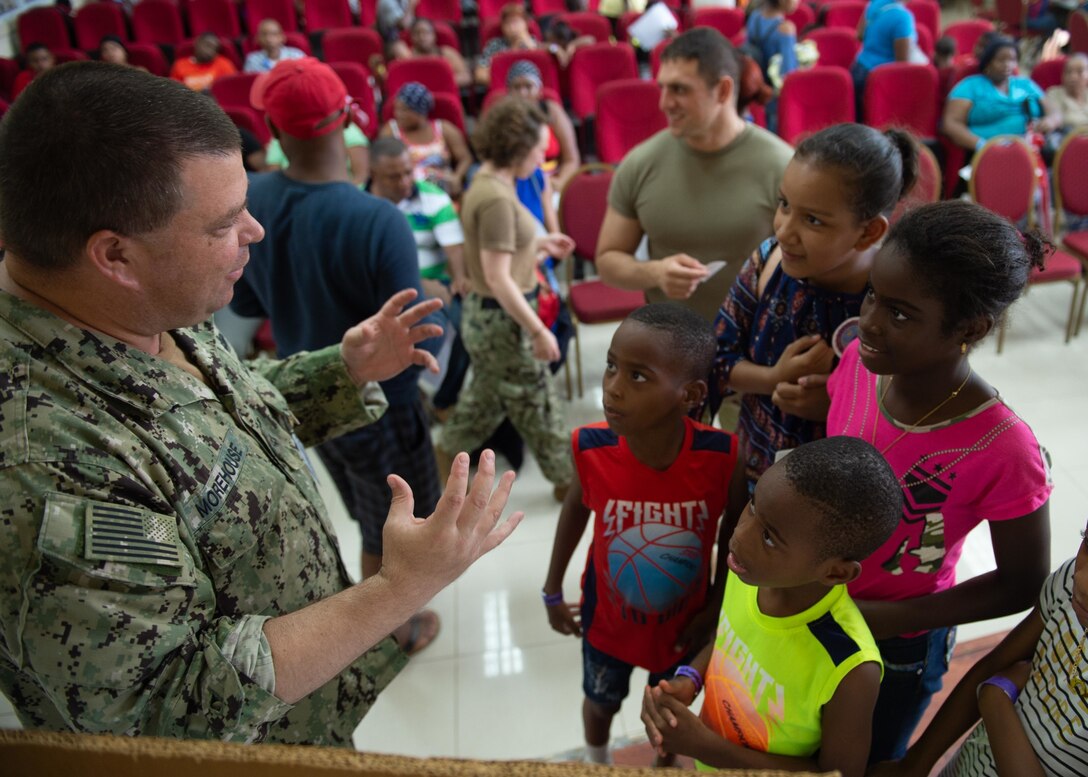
986,465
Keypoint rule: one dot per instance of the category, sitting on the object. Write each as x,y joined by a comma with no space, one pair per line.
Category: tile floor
498,683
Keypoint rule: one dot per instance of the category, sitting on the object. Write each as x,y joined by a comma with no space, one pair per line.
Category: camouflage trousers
506,381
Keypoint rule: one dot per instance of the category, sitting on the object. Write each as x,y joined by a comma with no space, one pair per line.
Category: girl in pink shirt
943,279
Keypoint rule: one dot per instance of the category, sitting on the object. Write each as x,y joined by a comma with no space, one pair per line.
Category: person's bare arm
676,275
569,157
312,645
461,156
1051,119
547,206
954,123
461,74
455,256
573,518
359,159
901,46
497,276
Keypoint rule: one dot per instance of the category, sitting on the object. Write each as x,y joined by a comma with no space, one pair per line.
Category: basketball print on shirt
652,566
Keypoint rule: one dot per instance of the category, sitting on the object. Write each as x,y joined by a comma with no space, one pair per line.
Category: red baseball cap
303,97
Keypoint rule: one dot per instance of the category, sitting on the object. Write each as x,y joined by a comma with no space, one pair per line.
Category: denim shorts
913,668
607,680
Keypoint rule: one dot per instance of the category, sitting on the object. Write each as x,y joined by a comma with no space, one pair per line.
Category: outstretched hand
423,556
384,345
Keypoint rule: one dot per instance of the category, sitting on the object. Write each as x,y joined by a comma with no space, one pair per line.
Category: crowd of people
797,391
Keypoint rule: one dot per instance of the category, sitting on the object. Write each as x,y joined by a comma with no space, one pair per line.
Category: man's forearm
622,270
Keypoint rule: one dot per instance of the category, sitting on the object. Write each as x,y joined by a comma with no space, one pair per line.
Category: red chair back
233,91
592,66
1048,73
967,33
926,14
582,206
492,28
357,81
441,11
925,41
803,17
900,94
95,20
838,47
218,16
1011,15
434,73
157,21
226,48
627,114
813,99
69,55
728,21
655,57
45,24
1078,32
586,23
846,14
326,15
358,44
549,7
627,18
490,9
1070,179
504,60
250,119
1003,178
9,70
283,11
149,56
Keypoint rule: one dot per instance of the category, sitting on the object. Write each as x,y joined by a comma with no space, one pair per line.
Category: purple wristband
692,674
552,600
1004,683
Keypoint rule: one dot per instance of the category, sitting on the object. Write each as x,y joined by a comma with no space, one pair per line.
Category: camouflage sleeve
129,639
320,393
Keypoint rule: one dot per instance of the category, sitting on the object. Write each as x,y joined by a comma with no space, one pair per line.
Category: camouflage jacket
150,524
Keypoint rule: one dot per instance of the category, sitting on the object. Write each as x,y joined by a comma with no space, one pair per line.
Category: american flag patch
119,533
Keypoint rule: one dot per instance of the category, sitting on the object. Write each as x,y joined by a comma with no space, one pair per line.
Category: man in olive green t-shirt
703,191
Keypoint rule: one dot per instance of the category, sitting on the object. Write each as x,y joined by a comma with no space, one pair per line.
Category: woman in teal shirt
996,102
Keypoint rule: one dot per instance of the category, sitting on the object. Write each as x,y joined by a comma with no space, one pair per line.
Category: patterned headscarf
416,98
523,68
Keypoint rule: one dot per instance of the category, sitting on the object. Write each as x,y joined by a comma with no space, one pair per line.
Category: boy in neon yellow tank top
793,672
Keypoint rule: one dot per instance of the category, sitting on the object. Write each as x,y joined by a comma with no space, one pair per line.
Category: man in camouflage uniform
168,565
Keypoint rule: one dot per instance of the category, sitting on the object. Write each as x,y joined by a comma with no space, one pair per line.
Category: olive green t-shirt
494,220
710,205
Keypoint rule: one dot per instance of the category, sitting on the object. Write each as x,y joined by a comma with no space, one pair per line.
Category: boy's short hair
858,495
691,336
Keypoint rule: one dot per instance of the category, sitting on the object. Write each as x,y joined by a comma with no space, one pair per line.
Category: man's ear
839,571
695,392
113,255
726,87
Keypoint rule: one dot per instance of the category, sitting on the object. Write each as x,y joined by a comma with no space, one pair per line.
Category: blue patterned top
758,329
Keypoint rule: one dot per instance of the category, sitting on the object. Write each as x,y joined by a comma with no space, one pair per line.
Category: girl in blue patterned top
777,326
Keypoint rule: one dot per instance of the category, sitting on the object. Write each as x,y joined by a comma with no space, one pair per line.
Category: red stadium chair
70,55
434,73
803,17
627,113
582,207
440,11
95,20
9,69
548,7
1078,32
655,57
150,56
813,99
585,23
250,119
1003,179
1071,196
490,9
900,94
283,11
233,91
47,25
358,44
926,14
218,16
846,14
1048,73
837,47
728,21
592,66
157,21
925,41
326,15
967,33
627,18
927,186
368,12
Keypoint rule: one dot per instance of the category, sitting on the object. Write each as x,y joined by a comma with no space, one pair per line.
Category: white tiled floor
498,683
